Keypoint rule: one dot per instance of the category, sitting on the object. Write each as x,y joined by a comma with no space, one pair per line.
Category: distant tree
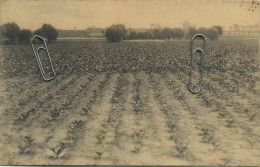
47,31
167,33
202,30
149,34
157,33
116,33
132,35
141,35
212,33
25,36
178,33
11,31
122,27
145,35
192,31
1,33
39,32
220,29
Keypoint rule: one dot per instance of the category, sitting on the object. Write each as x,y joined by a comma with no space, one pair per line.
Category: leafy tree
25,36
220,29
116,33
1,32
192,31
157,33
178,33
39,32
212,33
167,33
149,34
145,35
47,31
122,27
11,31
2,37
132,35
202,30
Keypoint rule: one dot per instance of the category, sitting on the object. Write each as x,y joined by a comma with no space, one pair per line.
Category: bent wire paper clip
36,53
201,64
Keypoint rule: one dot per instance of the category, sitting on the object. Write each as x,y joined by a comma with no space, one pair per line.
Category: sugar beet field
128,103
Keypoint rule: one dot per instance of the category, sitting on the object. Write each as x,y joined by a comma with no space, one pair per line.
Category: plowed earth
128,104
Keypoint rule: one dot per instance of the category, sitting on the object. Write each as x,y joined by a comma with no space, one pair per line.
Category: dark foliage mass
212,33
220,29
25,36
176,33
10,34
116,33
165,33
47,31
10,31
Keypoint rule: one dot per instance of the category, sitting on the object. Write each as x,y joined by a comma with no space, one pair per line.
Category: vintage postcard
129,82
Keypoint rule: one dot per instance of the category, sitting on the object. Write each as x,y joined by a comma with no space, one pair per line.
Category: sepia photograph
130,82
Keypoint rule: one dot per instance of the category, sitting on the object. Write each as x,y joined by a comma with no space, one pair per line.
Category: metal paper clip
36,53
201,64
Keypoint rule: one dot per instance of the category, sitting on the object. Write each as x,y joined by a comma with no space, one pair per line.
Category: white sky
67,14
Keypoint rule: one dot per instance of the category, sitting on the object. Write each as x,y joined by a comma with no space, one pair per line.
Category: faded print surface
128,102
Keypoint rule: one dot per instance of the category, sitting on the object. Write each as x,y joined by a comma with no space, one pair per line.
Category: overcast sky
68,14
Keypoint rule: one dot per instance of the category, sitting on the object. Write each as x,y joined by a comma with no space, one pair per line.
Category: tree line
11,33
117,33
